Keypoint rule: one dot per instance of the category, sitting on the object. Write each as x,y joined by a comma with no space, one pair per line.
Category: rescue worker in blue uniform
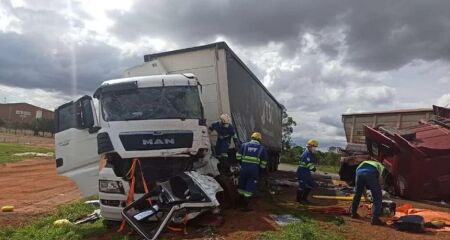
369,175
253,158
306,165
225,131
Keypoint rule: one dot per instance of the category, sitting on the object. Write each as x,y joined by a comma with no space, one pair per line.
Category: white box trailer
228,86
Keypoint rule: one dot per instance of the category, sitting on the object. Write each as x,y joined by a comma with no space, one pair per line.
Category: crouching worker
369,175
253,158
306,165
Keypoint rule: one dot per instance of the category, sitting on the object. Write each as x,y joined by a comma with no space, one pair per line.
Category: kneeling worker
369,175
253,157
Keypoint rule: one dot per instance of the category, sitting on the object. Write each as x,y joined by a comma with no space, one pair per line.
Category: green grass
7,151
300,230
328,168
309,227
43,228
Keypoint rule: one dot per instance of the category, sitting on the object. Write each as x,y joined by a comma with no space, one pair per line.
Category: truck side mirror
85,115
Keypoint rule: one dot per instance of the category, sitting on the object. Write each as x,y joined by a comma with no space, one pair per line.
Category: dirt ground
33,188
360,228
248,225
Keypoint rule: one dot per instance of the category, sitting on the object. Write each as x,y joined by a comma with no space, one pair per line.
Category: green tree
15,126
328,158
36,126
49,126
288,125
292,154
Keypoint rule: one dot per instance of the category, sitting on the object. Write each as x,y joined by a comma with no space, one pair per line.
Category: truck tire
276,162
227,198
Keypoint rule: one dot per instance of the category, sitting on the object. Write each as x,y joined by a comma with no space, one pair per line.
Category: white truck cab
158,119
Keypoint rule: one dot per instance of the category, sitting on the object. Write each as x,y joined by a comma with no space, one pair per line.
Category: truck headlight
108,186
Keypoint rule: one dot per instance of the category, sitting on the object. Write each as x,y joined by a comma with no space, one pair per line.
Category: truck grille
155,140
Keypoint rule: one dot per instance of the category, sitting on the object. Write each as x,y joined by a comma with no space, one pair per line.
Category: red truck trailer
417,158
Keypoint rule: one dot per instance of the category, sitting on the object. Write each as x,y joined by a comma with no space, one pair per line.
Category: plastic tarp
428,215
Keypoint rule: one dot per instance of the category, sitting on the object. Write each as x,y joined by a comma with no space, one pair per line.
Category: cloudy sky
319,58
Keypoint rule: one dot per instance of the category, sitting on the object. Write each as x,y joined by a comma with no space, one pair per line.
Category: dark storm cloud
248,22
26,63
40,57
384,35
379,35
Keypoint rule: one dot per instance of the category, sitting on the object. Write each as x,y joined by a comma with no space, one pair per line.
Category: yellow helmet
312,143
257,136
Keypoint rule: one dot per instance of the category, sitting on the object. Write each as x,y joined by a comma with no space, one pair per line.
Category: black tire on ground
227,198
273,161
111,224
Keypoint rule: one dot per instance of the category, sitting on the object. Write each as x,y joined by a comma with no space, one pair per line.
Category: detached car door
76,144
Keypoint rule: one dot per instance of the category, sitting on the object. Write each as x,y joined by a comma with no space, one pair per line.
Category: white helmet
225,118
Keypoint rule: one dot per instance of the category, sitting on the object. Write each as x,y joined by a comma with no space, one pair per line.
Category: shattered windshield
174,102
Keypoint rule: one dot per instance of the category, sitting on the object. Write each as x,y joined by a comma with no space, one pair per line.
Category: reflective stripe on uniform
263,164
374,164
245,193
249,159
306,165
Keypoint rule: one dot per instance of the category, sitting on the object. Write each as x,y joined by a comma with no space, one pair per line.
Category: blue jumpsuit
224,135
306,165
253,156
367,175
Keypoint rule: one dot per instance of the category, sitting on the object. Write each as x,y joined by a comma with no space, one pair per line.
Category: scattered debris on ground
284,219
34,188
34,154
44,191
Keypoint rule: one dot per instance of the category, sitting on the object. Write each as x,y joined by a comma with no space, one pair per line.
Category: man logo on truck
158,141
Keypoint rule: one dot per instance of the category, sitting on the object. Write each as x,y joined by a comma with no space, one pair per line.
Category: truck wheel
228,197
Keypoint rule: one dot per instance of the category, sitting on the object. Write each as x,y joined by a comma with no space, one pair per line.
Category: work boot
305,195
299,195
378,222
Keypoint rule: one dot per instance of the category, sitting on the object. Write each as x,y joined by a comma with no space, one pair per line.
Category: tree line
291,152
38,125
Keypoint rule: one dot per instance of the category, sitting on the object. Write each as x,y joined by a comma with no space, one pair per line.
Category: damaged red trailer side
417,158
